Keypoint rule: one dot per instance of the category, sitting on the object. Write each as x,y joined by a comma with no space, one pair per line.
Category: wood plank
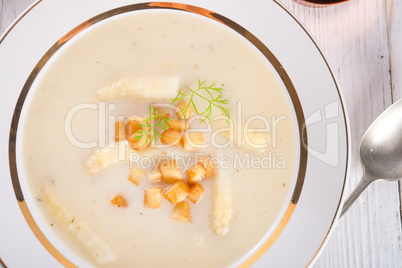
353,36
10,10
394,23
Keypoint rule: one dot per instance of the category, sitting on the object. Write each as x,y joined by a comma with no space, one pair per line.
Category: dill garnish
211,94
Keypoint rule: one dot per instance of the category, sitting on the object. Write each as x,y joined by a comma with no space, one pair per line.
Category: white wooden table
362,42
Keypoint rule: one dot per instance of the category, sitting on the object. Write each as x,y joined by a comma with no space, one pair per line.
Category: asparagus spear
222,202
159,87
89,240
107,156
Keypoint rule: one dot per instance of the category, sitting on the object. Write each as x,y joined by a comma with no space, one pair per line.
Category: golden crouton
179,125
136,175
195,173
196,192
119,201
120,131
177,192
141,143
184,110
155,176
209,166
170,171
135,128
171,137
181,212
153,197
192,141
162,112
133,125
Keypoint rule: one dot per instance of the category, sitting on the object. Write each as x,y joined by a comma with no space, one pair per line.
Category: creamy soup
154,43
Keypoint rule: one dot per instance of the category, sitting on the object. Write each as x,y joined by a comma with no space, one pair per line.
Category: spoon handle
364,182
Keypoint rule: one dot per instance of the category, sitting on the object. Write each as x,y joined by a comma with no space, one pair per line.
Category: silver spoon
380,151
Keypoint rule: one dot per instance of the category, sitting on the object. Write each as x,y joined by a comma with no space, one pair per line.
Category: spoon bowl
380,151
381,147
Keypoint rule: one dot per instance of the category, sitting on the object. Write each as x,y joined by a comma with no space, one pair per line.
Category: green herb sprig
153,119
156,119
217,102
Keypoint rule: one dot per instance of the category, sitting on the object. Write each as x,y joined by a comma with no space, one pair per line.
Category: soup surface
56,146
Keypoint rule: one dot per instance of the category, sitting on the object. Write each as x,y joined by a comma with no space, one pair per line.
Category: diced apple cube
179,125
170,171
120,131
209,166
155,176
196,192
177,192
136,175
193,141
119,201
184,110
171,137
195,173
181,212
153,197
